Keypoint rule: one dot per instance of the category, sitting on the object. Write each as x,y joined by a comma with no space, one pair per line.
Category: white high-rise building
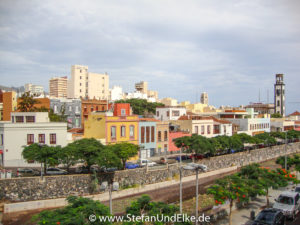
204,98
36,90
116,93
84,84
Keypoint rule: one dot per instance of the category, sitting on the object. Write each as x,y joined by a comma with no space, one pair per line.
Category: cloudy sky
230,49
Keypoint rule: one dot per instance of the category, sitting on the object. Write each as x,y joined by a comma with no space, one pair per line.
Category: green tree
108,159
235,142
57,117
27,103
68,156
124,150
141,106
48,155
88,149
276,115
77,212
265,138
231,188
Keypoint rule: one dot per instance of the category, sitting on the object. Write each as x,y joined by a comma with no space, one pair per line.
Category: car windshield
286,200
265,217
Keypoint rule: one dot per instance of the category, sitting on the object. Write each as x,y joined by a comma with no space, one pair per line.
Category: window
202,129
70,108
52,138
19,119
159,136
166,147
79,90
152,134
123,112
30,119
196,129
142,134
92,109
216,129
175,113
224,129
12,118
1,141
30,139
123,131
77,109
131,131
208,129
166,135
147,134
102,108
79,84
157,113
55,109
80,77
168,113
113,133
85,109
96,108
278,103
42,138
80,71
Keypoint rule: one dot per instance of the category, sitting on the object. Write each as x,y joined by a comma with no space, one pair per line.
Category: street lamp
180,180
113,186
196,167
285,157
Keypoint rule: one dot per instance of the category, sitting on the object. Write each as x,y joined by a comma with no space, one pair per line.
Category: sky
230,49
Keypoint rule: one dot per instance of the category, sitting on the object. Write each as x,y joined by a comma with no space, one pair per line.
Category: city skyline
230,50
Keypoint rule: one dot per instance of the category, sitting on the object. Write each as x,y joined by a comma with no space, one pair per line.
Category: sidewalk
242,216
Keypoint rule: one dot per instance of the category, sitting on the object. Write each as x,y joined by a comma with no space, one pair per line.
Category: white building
169,101
84,84
26,128
281,124
169,113
36,90
116,93
207,126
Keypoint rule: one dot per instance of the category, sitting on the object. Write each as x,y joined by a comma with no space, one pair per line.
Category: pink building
173,135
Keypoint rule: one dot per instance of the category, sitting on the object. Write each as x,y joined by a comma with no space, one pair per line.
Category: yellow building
112,129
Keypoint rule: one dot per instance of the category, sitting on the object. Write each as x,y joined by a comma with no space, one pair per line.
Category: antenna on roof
259,95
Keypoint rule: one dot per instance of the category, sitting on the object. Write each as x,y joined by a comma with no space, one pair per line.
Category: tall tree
68,156
88,149
48,155
108,159
124,151
27,103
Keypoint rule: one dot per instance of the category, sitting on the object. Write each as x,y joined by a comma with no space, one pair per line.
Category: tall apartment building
279,95
36,90
84,84
204,98
58,87
142,87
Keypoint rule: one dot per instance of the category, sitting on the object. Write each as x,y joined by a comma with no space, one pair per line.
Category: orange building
92,105
42,103
9,100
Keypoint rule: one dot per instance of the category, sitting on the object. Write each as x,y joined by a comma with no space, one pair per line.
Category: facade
84,84
42,103
207,126
261,108
36,90
9,104
26,128
281,124
116,93
58,87
91,105
147,137
294,116
169,102
113,127
204,98
166,113
279,95
142,87
173,135
71,108
162,140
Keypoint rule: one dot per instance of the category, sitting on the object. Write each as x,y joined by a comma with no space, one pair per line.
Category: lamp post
113,186
196,167
285,157
180,180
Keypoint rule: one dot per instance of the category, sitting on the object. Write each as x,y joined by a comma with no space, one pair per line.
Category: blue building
147,137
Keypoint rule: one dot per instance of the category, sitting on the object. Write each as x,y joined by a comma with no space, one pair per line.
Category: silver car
289,203
56,171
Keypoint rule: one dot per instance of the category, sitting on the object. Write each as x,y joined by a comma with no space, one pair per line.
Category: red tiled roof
192,117
296,113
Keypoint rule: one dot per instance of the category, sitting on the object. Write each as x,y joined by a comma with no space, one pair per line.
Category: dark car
131,165
197,156
108,170
270,216
183,157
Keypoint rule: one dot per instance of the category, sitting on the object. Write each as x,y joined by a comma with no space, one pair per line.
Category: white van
289,203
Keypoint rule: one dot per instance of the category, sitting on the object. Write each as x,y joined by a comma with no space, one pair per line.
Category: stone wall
33,188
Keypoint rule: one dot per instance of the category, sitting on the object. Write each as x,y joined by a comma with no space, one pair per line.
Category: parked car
55,171
108,169
164,160
84,169
289,203
183,157
269,216
131,165
197,156
297,188
144,162
27,172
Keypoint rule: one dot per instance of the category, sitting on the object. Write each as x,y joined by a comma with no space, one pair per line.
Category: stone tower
279,95
204,98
